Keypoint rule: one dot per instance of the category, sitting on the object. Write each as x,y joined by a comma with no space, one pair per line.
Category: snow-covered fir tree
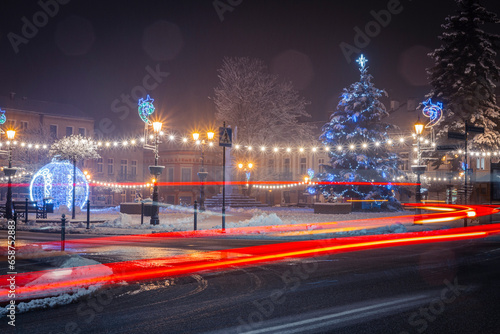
464,75
356,136
73,149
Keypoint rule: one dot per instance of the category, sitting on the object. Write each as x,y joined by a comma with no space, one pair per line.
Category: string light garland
396,143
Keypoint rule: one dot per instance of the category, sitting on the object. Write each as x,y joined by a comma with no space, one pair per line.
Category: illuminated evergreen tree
357,138
464,74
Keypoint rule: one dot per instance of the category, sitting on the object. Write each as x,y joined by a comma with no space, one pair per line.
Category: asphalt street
433,288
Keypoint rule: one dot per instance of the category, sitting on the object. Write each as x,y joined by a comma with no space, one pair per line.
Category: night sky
91,53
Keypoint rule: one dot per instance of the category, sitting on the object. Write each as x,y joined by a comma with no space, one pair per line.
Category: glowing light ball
54,182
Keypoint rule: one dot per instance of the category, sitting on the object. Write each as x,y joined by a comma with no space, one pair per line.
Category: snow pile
72,268
123,221
394,228
50,302
22,251
263,219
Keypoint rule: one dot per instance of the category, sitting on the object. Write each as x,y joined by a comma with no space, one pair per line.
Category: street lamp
9,172
156,172
418,169
202,174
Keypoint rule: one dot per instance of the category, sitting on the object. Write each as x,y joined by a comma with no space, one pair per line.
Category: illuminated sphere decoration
54,183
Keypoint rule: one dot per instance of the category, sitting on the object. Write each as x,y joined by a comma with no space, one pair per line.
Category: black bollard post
142,212
88,214
63,231
26,212
195,215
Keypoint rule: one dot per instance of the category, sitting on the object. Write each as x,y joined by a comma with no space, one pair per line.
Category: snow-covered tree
464,75
74,148
356,136
259,104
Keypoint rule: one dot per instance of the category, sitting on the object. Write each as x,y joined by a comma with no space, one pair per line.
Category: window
10,124
53,131
24,125
81,131
186,177
170,174
321,169
133,167
110,166
286,165
270,165
99,165
480,163
123,167
303,166
69,130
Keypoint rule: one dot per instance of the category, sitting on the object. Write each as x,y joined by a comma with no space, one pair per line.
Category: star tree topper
362,61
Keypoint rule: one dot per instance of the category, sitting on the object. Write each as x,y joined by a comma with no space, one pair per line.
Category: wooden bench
23,208
332,208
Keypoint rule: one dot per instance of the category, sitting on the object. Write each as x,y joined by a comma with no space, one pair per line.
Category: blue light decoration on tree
54,183
359,119
310,173
146,108
3,118
432,110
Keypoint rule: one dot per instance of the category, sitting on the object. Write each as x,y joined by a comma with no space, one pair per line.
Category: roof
42,107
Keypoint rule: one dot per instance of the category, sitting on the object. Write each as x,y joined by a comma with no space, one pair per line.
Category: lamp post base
156,172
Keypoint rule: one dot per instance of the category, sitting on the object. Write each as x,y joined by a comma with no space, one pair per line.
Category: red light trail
147,269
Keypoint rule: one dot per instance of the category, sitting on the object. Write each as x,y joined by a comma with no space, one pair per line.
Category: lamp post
418,169
202,175
9,172
156,172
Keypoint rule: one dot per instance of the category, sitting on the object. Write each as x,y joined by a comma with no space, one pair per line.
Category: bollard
142,212
88,214
26,212
195,215
63,231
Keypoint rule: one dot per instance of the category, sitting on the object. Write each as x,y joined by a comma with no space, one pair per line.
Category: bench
135,208
23,208
332,208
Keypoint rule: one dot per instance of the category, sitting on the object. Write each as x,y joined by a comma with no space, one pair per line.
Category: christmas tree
464,73
356,136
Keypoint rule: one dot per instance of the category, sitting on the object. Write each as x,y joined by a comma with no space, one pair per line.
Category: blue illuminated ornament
311,190
54,183
310,172
2,116
362,61
434,111
146,108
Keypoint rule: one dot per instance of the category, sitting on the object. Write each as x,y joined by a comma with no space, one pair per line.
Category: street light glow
11,134
157,126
